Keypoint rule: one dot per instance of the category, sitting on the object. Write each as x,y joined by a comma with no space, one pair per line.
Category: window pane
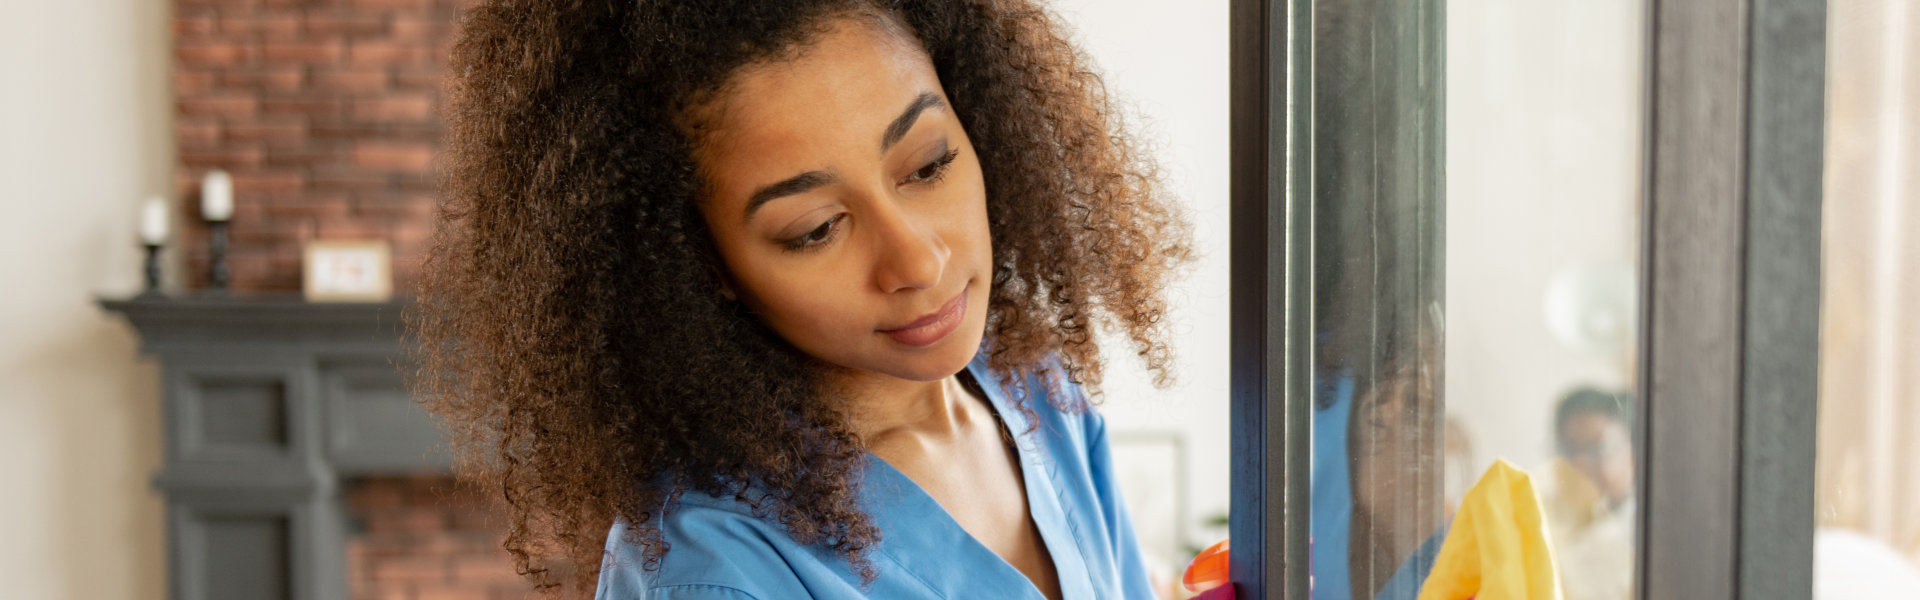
1476,243
1868,501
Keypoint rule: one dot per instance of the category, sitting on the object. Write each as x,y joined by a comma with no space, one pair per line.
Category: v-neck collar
924,539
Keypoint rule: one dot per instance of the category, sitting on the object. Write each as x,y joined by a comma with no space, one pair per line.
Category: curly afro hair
569,327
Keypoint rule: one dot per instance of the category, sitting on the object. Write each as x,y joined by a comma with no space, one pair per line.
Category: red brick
258,235
422,181
245,270
387,52
210,53
333,22
351,179
189,82
400,4
264,182
224,157
396,214
393,107
342,131
304,155
193,25
325,112
321,210
413,521
273,79
228,105
312,52
419,27
307,105
359,79
269,25
426,78
394,156
277,129
196,131
286,4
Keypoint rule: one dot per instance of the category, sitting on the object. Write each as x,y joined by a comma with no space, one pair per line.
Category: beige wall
84,135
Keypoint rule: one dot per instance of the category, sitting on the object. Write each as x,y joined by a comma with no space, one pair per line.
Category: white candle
216,196
153,221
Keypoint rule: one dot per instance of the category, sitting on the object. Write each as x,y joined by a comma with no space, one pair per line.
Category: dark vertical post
1732,304
1271,248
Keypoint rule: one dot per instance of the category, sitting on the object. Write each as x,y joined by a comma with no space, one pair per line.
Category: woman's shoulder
717,548
1046,409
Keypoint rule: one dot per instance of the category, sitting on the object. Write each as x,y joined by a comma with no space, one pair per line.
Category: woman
798,297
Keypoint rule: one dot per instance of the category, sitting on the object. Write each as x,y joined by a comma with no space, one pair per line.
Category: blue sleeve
1132,562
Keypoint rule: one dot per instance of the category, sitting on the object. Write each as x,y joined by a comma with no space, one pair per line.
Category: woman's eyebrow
898,129
810,180
797,184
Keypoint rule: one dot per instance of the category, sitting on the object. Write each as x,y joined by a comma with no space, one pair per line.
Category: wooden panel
243,414
374,426
246,557
230,411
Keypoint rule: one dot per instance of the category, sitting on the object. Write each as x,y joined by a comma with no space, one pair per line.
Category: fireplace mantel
268,402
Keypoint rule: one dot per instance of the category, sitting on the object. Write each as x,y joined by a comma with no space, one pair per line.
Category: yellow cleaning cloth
1497,548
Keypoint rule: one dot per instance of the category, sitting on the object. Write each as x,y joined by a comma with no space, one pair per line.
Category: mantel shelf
268,402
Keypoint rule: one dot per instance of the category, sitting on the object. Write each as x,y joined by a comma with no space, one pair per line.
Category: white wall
1167,63
1544,138
85,133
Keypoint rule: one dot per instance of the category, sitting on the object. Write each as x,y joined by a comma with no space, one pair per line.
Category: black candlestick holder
217,259
153,272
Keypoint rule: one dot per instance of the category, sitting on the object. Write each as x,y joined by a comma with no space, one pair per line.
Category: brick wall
425,538
324,112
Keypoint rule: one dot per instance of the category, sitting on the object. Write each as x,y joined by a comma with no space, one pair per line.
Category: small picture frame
348,271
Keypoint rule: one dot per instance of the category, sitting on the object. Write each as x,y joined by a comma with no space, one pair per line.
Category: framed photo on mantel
348,271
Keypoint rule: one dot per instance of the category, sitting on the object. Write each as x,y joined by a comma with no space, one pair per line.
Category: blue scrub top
719,550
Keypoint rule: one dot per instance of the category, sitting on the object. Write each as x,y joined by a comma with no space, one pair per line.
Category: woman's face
847,205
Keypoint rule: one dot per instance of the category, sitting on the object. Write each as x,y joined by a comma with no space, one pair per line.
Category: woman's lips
932,328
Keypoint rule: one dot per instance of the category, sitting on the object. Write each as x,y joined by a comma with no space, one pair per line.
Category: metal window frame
1729,295
1270,65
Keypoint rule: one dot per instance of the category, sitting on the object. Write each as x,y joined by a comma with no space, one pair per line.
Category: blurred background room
240,429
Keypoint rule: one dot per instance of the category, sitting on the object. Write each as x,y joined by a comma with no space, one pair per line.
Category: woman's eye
934,170
815,238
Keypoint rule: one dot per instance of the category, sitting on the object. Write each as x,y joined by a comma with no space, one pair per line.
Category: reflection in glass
1477,175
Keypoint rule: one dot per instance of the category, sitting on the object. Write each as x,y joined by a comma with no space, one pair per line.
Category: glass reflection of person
798,296
1591,509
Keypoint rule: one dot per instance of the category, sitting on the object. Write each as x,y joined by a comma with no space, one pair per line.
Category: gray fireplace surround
268,404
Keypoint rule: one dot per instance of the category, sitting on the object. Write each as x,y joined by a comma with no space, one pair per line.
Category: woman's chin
939,360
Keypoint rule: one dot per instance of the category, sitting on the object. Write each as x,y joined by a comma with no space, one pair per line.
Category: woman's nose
911,254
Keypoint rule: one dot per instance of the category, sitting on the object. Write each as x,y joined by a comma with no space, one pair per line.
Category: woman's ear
726,283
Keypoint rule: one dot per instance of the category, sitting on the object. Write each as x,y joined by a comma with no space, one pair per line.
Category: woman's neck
884,409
